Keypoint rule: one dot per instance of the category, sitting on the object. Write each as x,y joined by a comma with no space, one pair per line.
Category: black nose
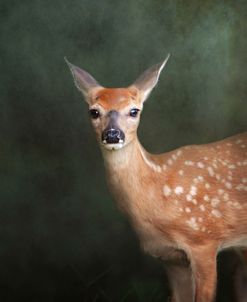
112,136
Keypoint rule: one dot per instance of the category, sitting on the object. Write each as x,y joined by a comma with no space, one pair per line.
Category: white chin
113,146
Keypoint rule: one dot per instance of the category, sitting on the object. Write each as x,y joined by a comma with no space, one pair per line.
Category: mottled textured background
61,236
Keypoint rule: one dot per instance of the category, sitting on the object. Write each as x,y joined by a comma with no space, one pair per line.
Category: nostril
113,133
112,136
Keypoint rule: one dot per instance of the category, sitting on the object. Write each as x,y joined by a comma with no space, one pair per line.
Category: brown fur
185,205
160,226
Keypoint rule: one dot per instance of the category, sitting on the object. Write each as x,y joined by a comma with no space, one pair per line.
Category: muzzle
112,136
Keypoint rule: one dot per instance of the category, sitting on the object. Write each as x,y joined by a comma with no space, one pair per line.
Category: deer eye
134,112
94,113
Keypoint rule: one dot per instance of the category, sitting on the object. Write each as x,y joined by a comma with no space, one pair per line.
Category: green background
61,236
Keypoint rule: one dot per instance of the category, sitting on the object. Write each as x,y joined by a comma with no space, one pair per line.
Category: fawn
185,205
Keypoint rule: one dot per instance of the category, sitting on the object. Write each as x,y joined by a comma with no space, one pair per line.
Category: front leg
204,268
181,283
179,274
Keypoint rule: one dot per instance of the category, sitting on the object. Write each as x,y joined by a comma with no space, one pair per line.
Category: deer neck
124,161
128,173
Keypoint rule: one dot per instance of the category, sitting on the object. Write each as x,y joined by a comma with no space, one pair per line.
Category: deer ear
83,80
148,80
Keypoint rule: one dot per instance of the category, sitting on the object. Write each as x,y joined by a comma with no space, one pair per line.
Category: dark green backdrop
61,236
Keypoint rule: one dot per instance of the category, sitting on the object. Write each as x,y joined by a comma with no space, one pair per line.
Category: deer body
185,205
191,194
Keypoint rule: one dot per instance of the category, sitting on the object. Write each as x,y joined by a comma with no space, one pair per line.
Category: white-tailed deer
185,205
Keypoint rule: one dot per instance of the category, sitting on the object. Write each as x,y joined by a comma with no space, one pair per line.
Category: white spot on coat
220,191
167,190
215,201
202,207
170,162
194,201
187,210
200,178
188,197
216,213
196,181
225,196
193,190
228,185
192,223
210,171
237,205
179,190
164,167
189,163
200,165
181,172
217,176
240,187
174,156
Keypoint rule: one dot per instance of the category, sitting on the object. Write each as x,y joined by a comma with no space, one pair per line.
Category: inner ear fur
149,79
84,82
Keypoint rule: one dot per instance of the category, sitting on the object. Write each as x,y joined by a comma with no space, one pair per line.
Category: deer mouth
115,146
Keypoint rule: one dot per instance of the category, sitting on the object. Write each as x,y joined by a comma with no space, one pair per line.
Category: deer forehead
115,98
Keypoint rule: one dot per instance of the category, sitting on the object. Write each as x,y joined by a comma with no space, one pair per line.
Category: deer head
115,112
